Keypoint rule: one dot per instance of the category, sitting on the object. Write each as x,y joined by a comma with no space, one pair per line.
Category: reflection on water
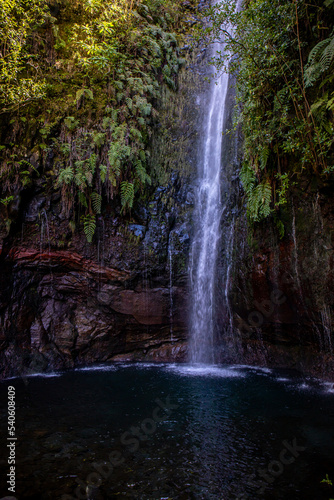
172,432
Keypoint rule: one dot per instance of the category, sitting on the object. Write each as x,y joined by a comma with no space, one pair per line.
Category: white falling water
171,302
208,211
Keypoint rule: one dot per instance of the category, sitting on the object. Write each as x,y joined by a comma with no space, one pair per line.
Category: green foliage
98,138
327,481
103,172
285,92
18,20
82,199
97,69
259,200
89,223
320,60
83,92
283,188
71,123
7,200
66,175
96,202
127,194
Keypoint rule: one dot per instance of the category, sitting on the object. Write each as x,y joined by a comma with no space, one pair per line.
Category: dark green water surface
170,432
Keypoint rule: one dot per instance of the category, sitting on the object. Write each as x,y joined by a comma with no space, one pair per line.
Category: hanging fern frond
119,96
96,202
98,138
320,59
327,55
103,172
141,172
81,92
127,194
248,178
142,155
106,122
330,103
82,199
136,134
259,202
71,123
264,155
128,102
66,176
89,94
89,226
318,107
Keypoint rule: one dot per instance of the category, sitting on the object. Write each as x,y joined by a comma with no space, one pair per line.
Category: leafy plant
89,223
82,92
7,200
127,194
285,92
96,202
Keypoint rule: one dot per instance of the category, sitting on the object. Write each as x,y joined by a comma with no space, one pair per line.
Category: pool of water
170,432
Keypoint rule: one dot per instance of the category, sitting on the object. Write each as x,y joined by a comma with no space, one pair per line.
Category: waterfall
171,302
207,217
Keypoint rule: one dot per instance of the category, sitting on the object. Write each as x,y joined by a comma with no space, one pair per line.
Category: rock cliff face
64,302
276,294
282,290
86,303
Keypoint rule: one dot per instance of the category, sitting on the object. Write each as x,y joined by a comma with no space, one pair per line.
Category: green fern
66,176
136,134
103,172
248,178
81,92
264,155
259,200
71,123
96,202
89,94
319,111
65,149
82,199
127,194
319,60
170,82
89,226
7,200
141,172
119,96
106,122
98,138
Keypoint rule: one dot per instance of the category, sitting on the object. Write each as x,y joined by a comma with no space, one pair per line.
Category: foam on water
32,375
206,371
252,368
103,368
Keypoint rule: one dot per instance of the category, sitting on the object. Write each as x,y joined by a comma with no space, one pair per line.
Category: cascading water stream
208,210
